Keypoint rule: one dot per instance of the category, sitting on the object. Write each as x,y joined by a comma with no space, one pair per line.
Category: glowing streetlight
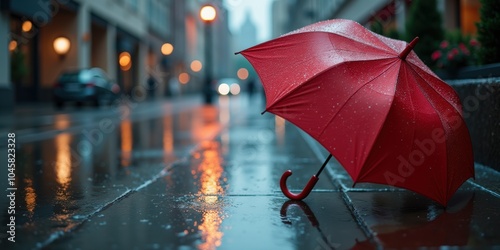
61,45
208,13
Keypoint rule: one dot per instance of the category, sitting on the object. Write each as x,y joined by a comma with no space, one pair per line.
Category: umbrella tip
408,48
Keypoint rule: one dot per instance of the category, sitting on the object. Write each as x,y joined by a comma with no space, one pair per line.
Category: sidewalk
225,195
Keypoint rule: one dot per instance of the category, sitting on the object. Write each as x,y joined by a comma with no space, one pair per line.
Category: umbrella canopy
371,102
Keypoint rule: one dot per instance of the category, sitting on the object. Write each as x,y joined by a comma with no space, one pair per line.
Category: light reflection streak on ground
168,136
126,139
30,198
211,173
280,130
63,175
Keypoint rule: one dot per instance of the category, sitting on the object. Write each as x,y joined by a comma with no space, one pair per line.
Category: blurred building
246,36
289,15
124,37
292,14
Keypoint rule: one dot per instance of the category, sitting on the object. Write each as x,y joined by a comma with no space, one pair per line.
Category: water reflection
280,130
63,166
224,114
63,160
205,124
211,172
210,189
210,229
30,198
224,118
414,223
310,216
62,121
126,139
168,135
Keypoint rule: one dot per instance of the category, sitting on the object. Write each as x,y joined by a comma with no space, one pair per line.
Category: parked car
228,86
85,85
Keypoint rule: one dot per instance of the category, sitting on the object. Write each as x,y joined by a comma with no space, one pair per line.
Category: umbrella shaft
324,164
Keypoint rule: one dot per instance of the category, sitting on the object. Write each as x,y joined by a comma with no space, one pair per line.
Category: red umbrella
371,102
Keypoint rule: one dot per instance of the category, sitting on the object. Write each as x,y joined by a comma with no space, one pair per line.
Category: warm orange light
242,73
125,61
208,13
30,197
126,146
63,159
61,45
12,45
167,49
27,26
184,78
196,66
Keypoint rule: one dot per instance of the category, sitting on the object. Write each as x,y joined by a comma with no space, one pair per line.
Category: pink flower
473,43
464,49
455,51
436,55
451,55
444,44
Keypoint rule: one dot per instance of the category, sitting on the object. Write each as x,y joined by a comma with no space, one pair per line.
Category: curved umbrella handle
305,192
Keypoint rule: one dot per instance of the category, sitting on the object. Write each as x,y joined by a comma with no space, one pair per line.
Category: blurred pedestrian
251,87
151,86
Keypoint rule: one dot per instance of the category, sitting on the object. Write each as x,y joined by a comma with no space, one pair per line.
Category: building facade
101,33
292,14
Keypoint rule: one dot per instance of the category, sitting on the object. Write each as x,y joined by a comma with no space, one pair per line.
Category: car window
69,77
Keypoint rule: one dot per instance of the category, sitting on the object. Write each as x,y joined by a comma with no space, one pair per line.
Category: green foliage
378,27
424,21
488,30
18,69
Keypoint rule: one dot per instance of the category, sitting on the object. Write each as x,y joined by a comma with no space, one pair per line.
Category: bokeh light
242,73
61,45
167,49
12,45
125,61
208,13
184,78
235,89
223,89
27,26
196,65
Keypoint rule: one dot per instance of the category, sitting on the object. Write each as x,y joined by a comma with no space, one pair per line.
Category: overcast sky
260,11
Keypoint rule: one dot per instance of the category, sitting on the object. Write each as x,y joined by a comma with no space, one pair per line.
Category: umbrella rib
416,74
350,97
318,74
367,44
432,87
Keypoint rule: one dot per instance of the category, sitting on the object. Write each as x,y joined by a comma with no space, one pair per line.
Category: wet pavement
179,175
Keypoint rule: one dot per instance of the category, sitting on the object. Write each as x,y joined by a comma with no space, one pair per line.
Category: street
175,174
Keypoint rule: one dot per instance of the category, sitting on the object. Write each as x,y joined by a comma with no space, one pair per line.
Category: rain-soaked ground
177,174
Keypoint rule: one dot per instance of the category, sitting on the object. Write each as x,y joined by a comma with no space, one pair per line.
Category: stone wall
481,105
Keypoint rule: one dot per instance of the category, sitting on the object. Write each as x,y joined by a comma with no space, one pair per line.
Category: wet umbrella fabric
371,102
